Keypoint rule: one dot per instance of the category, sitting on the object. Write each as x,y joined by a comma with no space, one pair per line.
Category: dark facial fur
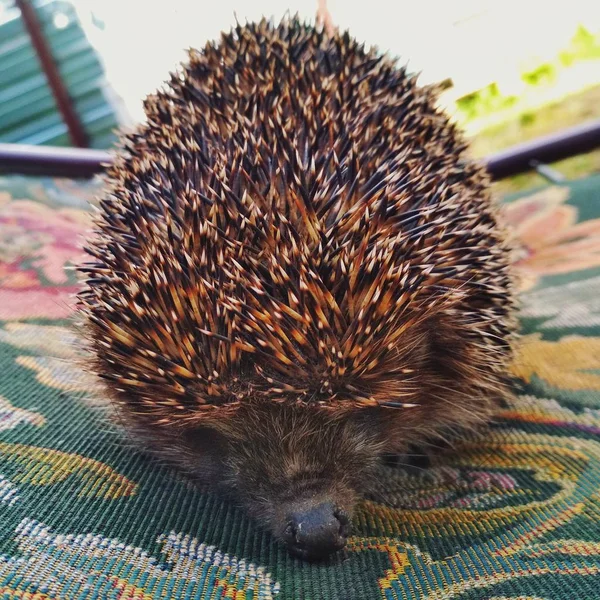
278,461
296,267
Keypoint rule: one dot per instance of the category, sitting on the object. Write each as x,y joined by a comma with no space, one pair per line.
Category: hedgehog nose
316,532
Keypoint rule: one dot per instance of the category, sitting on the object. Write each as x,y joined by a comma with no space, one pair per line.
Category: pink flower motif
36,243
552,241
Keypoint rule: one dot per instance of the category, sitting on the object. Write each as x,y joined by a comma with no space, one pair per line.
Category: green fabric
84,515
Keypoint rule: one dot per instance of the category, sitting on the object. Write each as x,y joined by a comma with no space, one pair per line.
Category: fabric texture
84,515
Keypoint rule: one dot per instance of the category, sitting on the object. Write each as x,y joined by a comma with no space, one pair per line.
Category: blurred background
72,71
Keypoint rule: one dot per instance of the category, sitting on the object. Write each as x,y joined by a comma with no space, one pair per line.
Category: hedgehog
295,269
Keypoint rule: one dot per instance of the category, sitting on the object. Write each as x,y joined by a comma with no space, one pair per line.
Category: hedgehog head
293,267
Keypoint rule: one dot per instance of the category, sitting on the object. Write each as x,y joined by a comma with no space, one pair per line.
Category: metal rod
548,149
52,161
72,162
77,132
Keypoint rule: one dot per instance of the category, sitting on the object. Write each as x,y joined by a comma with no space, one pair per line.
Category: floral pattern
56,358
572,304
44,466
64,566
572,363
512,516
11,416
551,241
37,242
9,493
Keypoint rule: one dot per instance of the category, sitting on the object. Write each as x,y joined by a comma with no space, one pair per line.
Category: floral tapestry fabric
514,516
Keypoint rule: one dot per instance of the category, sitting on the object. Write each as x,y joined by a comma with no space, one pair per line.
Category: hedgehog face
295,469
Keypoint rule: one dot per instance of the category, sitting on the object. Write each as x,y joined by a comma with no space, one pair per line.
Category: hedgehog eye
204,440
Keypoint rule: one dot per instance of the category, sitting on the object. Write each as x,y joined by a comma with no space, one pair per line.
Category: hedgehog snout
314,532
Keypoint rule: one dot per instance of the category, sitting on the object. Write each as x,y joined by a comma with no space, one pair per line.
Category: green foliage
526,119
483,102
584,46
544,74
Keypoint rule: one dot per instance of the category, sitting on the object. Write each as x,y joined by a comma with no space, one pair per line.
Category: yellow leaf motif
44,466
567,364
128,591
396,554
516,543
58,373
59,359
407,560
561,464
47,340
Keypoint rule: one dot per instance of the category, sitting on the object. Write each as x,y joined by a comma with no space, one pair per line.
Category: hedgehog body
296,267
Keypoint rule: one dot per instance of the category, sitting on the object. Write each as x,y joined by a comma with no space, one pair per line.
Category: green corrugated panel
28,111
